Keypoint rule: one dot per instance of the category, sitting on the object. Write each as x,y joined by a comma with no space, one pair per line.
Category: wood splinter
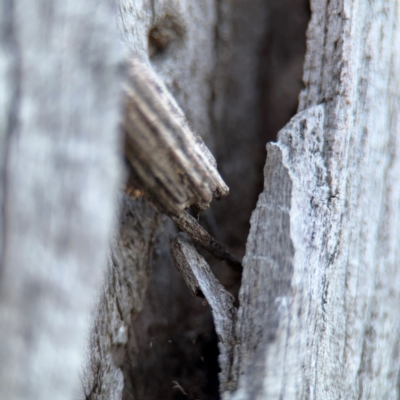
189,225
169,163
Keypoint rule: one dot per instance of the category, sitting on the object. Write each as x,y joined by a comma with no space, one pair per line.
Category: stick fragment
202,282
189,225
168,160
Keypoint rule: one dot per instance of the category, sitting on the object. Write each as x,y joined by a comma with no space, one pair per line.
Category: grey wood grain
320,294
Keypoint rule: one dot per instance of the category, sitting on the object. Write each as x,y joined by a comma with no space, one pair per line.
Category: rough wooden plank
320,294
60,88
269,289
185,61
180,39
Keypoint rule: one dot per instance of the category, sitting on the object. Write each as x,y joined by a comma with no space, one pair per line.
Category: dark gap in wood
282,49
280,71
172,341
173,347
280,74
281,66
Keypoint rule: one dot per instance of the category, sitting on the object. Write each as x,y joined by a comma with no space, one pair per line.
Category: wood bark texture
60,73
60,170
320,292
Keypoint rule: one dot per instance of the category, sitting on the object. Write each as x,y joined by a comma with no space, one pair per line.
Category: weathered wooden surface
176,39
184,61
320,298
320,293
59,101
206,54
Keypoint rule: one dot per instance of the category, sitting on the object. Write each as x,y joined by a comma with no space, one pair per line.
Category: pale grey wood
186,65
320,293
320,299
60,169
